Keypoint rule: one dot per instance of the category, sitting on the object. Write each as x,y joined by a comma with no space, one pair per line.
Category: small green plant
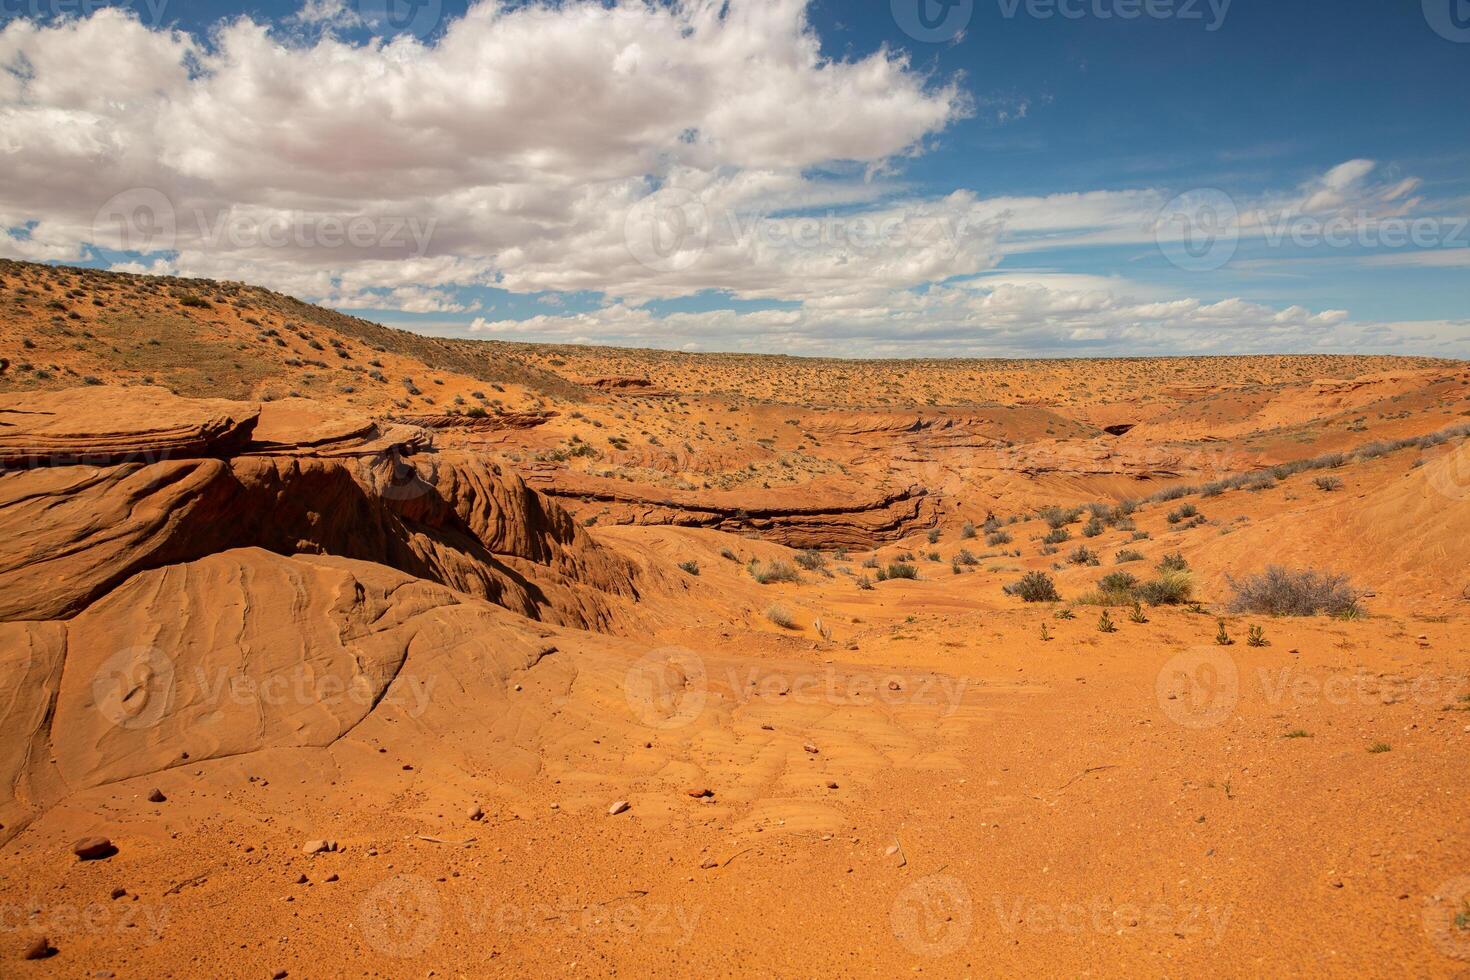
811,560
1092,528
967,532
1173,563
901,569
1183,513
1126,555
934,536
1105,623
782,618
1045,635
1083,556
1136,613
1222,637
1378,747
1066,614
1327,484
864,583
1298,733
691,566
1256,637
1034,587
776,571
1056,536
997,538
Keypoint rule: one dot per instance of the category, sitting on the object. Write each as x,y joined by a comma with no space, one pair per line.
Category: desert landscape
336,649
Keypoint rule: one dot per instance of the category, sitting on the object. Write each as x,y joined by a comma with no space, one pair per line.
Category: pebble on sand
157,796
620,806
38,949
93,848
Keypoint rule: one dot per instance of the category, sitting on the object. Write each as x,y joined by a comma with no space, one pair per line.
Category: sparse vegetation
1034,587
781,617
774,571
1285,592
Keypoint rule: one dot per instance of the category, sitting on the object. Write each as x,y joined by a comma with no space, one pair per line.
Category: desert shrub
967,532
1118,582
1183,513
1327,484
781,617
1126,555
870,562
864,583
1083,556
1171,588
1092,528
1173,563
934,536
1034,587
728,555
900,569
1057,517
1056,536
1140,536
965,558
811,560
995,538
691,566
776,571
1288,592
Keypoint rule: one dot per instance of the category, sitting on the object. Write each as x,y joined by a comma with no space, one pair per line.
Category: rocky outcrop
74,533
240,652
98,426
815,515
498,422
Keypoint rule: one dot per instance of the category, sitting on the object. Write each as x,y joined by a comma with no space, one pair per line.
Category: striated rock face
75,532
816,515
240,652
479,423
111,425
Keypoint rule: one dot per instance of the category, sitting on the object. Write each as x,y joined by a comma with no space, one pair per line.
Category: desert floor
475,673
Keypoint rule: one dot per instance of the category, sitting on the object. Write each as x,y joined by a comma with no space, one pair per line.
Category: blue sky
1051,142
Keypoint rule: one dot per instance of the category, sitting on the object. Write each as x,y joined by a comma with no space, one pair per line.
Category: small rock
118,893
332,877
156,796
831,785
710,863
38,949
93,848
810,748
621,806
894,686
700,794
476,813
302,879
318,846
768,728
279,975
